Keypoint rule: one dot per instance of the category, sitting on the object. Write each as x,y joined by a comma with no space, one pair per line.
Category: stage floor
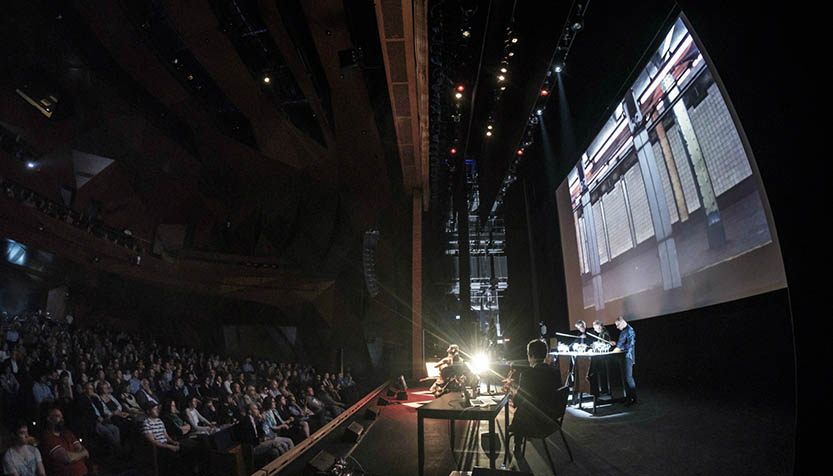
668,432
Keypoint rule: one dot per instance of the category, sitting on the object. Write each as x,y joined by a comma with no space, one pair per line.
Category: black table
577,366
450,407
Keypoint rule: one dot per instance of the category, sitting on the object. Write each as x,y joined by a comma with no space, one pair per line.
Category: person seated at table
537,389
446,366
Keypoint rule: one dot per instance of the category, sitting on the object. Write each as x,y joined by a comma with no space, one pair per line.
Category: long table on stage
577,366
450,407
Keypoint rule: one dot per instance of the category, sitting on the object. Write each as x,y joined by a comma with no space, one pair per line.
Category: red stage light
544,92
453,151
520,152
461,88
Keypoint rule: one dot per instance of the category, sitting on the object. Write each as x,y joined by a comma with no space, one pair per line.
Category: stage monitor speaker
401,395
320,464
372,413
353,432
381,402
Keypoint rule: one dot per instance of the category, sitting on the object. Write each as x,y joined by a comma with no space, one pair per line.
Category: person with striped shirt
154,430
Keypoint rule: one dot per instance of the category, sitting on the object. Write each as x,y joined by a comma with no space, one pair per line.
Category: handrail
285,459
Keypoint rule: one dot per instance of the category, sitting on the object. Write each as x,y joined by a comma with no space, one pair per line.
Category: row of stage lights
573,25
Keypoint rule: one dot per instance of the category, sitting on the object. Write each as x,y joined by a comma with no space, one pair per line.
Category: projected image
665,196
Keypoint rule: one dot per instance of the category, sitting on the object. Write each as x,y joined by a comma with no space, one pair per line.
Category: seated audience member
96,418
229,412
198,422
129,403
145,396
335,408
63,391
62,452
174,423
251,396
266,446
154,430
22,459
41,390
113,408
299,426
209,411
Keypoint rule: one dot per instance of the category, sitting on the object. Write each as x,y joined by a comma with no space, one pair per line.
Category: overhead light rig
573,24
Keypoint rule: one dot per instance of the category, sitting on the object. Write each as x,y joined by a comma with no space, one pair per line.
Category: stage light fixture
559,67
488,133
501,77
544,92
479,364
502,88
461,88
267,79
510,54
466,33
503,70
539,111
578,24
458,95
453,151
30,165
490,127
514,40
520,152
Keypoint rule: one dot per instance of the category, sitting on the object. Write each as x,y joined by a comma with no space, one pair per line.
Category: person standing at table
581,336
627,344
600,331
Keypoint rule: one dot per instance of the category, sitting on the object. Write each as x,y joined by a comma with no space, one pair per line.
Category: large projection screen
665,210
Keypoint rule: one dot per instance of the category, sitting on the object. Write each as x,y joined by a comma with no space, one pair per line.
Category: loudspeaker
319,464
353,432
381,402
401,395
371,413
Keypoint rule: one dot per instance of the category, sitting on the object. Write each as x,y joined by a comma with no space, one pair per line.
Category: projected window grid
683,169
617,221
643,225
582,245
601,237
720,142
666,183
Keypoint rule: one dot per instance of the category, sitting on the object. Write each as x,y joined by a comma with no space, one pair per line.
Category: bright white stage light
479,363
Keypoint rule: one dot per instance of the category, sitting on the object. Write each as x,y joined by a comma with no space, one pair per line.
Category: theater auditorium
400,238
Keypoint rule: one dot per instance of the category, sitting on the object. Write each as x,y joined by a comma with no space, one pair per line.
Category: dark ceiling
174,92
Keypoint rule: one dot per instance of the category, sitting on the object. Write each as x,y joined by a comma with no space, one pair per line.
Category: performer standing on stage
582,332
601,332
627,344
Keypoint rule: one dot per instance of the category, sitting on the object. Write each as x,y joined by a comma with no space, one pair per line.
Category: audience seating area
141,406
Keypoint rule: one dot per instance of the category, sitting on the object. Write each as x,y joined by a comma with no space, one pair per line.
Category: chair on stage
545,428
